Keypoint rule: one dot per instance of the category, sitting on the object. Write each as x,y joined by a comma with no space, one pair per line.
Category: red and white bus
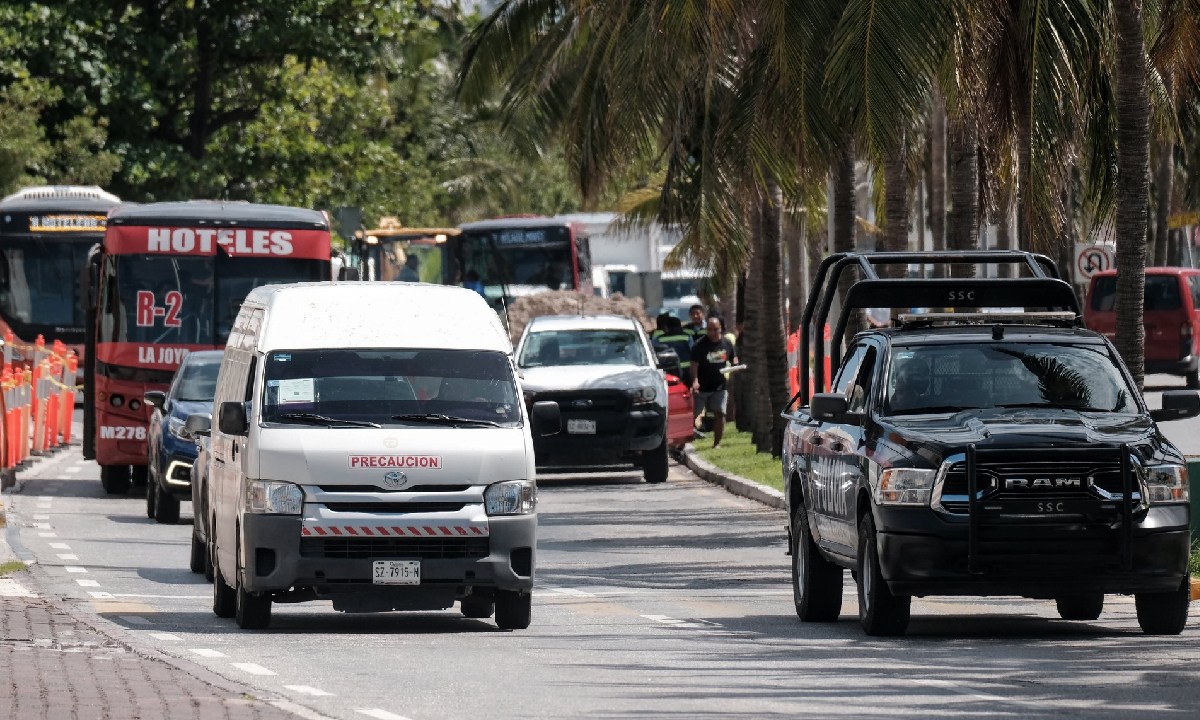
506,258
168,279
45,235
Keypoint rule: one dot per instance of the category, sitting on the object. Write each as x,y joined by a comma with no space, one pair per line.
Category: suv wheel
513,609
654,467
879,611
139,475
816,582
151,497
115,479
1080,607
1164,613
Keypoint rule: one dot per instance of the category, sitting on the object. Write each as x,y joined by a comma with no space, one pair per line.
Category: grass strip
737,456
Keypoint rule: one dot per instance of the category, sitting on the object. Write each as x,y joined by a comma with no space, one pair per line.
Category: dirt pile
566,302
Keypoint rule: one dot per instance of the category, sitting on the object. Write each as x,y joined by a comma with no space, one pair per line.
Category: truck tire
1163,613
478,607
513,609
166,505
224,597
196,562
115,479
816,582
879,611
655,467
1087,606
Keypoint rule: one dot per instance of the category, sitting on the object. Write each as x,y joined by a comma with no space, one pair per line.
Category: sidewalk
736,485
56,663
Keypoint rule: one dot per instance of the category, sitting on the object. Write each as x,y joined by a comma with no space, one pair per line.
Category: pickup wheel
816,582
115,479
224,597
1163,613
1080,607
879,611
654,467
198,557
513,609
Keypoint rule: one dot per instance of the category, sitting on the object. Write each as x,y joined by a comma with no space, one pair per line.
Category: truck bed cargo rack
1043,288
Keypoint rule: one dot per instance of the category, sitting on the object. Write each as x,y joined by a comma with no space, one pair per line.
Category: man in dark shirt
711,353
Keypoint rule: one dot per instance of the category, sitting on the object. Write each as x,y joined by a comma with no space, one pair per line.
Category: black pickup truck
979,453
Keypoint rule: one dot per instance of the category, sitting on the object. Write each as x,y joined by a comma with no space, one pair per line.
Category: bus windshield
39,282
517,261
193,300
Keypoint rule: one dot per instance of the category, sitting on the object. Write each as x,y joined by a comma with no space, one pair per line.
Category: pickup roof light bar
1053,319
1042,288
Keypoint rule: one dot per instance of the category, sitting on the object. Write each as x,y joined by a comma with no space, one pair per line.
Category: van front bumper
278,558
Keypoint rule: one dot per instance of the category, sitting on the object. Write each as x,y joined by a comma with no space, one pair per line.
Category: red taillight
1185,339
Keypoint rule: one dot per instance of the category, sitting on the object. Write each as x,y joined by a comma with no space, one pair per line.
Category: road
651,601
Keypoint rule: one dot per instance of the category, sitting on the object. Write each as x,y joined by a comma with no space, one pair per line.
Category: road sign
1091,259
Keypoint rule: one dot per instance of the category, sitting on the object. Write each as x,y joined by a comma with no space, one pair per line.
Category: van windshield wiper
441,419
316,419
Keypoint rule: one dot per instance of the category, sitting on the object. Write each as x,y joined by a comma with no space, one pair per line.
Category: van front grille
396,548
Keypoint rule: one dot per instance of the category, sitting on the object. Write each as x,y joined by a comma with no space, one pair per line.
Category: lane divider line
98,595
85,582
164,636
47,535
60,546
253,669
68,556
379,714
205,652
74,569
307,690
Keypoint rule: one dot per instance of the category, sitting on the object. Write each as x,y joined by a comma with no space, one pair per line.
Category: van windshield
378,385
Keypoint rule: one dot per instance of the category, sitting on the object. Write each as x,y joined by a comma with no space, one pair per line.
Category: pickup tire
115,479
1163,613
655,467
513,609
199,555
224,597
1087,606
816,582
879,611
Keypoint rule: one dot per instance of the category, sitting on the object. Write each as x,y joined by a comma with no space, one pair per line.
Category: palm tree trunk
1023,110
1133,160
937,175
754,343
797,258
843,199
895,229
1164,168
1004,229
963,233
774,337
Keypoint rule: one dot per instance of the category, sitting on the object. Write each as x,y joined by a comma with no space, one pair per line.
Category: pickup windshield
390,387
934,378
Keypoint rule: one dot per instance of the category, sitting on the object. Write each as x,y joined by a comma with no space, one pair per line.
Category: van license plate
581,427
397,572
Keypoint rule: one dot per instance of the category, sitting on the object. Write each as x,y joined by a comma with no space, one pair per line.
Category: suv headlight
273,498
1166,484
517,497
904,486
645,395
175,427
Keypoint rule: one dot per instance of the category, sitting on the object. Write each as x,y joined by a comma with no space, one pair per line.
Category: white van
371,448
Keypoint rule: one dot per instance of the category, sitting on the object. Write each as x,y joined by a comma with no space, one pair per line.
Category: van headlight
1166,484
645,395
517,497
904,486
273,498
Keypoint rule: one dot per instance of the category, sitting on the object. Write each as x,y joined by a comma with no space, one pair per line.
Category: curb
768,496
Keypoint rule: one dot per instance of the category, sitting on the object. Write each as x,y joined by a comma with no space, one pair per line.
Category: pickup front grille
1009,484
396,548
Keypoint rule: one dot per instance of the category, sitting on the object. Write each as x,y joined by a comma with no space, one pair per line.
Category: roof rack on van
1042,288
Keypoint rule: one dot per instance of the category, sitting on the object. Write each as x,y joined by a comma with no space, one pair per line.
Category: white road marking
205,652
675,622
306,690
47,535
165,597
41,517
12,588
43,526
100,595
135,619
74,569
84,582
164,636
253,669
68,556
60,546
379,714
73,469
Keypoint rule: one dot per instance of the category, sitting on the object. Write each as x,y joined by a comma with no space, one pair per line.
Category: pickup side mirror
831,407
546,417
197,425
667,359
155,398
231,418
1177,405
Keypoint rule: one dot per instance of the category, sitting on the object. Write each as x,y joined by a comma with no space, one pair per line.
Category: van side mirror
1177,405
231,418
197,425
547,417
830,407
155,398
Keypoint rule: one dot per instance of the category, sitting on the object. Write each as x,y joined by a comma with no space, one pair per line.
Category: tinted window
197,380
1000,374
583,347
39,280
849,369
374,385
1162,293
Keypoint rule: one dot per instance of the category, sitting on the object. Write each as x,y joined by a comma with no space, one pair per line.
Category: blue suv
171,451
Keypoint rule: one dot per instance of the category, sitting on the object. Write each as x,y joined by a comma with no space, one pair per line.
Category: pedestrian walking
710,354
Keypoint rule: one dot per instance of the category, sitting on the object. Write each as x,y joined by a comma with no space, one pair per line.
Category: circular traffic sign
1092,260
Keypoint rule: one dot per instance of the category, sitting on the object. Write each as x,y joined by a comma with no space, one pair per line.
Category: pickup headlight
518,497
1166,484
645,395
904,486
273,498
175,427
